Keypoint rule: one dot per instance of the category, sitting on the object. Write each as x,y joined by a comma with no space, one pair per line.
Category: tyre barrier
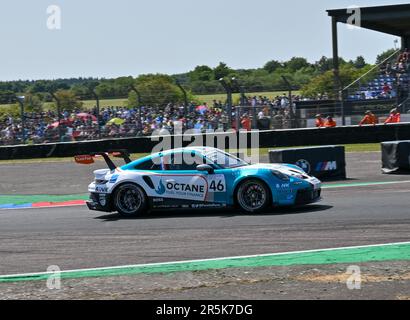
396,157
326,162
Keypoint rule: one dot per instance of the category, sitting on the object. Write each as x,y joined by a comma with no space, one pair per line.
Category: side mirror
205,167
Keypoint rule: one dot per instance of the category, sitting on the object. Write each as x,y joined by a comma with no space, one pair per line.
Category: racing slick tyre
253,196
130,200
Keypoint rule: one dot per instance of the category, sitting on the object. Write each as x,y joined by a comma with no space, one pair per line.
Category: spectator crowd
391,82
118,121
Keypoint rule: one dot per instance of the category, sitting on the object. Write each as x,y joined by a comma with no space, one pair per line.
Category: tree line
158,89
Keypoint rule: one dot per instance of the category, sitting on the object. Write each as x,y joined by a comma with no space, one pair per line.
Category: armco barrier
273,138
396,157
322,162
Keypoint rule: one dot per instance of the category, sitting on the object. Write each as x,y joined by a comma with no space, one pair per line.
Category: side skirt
166,203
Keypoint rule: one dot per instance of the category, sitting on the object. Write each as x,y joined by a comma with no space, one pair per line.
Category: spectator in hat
330,123
320,123
369,118
394,117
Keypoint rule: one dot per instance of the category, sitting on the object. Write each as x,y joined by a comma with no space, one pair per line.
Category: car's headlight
299,174
280,175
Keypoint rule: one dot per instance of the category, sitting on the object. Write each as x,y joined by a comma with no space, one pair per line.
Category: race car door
181,184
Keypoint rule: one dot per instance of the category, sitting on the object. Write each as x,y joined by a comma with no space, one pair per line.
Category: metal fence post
342,107
184,94
97,100
20,100
60,133
228,91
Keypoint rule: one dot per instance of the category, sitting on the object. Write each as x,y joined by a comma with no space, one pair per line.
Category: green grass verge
209,98
363,147
354,255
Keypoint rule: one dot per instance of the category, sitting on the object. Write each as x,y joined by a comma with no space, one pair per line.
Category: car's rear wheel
130,200
253,196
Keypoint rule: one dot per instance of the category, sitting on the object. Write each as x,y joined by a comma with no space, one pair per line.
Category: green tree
81,91
360,62
272,66
105,90
156,90
326,64
296,63
122,86
7,96
202,73
68,100
33,103
221,71
324,83
384,55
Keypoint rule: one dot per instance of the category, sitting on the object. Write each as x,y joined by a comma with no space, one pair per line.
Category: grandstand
391,80
384,87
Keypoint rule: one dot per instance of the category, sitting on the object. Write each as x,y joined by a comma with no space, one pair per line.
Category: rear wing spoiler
89,158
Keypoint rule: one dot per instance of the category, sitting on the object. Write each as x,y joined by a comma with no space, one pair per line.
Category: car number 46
217,184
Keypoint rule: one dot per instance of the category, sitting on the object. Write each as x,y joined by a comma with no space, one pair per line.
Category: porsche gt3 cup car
196,178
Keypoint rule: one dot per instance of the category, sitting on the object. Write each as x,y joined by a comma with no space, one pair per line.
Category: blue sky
107,38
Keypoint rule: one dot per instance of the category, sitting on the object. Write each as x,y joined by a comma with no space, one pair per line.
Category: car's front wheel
130,200
253,196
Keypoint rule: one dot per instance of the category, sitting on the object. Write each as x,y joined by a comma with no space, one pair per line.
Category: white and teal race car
196,178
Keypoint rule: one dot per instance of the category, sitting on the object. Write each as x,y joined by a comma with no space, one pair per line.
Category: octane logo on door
161,188
181,187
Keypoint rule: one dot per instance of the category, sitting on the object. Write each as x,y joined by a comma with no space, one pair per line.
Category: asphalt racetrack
361,211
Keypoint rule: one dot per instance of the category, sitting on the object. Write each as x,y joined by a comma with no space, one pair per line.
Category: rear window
148,165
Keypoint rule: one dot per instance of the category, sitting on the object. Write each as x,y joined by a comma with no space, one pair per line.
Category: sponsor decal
304,164
207,206
326,166
114,178
166,206
161,188
189,187
216,183
183,187
100,188
84,159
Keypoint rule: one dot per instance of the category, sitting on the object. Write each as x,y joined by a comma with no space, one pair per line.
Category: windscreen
225,160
